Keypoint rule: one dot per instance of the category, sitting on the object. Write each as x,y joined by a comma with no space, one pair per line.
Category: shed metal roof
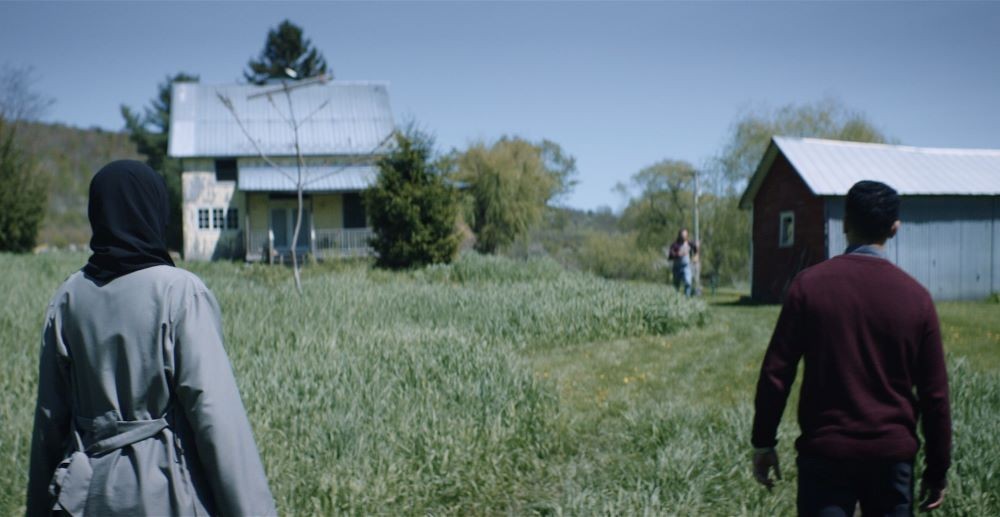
831,167
336,118
329,178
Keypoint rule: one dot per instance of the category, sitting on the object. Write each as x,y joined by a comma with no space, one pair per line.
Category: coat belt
104,434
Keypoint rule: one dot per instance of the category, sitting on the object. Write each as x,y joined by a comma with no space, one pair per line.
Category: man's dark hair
871,208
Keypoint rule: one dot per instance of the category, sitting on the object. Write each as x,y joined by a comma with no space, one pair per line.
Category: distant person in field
138,411
696,268
874,366
679,256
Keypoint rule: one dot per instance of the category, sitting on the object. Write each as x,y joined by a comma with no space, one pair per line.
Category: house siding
774,267
202,191
328,210
947,243
257,210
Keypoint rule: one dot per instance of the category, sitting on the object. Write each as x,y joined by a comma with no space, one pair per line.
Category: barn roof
337,118
831,167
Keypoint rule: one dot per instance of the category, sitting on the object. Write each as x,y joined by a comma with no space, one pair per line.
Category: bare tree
18,99
299,179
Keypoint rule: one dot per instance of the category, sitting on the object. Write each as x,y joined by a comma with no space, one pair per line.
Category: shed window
786,229
233,219
225,169
202,218
218,218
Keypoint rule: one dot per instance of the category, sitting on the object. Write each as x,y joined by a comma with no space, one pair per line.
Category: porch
334,225
320,243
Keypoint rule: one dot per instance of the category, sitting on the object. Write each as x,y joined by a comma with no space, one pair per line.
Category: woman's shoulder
181,279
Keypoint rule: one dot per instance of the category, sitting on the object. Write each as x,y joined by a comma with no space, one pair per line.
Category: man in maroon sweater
874,366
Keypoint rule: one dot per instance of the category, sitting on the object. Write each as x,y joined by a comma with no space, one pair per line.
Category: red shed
950,238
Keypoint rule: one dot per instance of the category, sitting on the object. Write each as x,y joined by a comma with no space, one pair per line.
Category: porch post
270,235
246,227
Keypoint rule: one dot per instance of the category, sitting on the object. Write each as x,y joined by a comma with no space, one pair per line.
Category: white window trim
790,215
208,218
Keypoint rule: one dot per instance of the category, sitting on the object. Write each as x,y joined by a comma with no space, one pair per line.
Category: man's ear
847,225
895,228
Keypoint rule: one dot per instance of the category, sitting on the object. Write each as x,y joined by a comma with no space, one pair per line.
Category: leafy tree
726,230
664,203
561,166
150,133
23,190
412,208
509,185
285,48
753,130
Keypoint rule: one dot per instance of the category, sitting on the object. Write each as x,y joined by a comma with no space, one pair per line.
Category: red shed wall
774,267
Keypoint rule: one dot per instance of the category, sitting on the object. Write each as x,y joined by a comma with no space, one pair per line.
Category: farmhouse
238,205
950,205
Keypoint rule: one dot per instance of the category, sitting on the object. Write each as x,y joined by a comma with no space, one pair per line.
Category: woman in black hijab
138,411
129,210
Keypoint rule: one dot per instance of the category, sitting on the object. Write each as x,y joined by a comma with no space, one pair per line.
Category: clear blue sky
618,85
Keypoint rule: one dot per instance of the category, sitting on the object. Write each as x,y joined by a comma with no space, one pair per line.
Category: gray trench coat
134,373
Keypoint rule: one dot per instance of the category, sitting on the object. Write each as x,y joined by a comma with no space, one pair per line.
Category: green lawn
500,387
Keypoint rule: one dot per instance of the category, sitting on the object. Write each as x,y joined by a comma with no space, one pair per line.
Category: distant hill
69,157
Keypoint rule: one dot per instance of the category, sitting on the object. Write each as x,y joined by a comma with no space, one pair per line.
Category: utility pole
697,233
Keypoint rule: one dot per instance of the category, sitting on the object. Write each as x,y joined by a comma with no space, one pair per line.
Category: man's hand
931,497
763,461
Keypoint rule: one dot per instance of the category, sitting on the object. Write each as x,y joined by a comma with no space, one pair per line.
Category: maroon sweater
873,365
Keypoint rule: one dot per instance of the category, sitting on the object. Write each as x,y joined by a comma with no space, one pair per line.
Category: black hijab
128,211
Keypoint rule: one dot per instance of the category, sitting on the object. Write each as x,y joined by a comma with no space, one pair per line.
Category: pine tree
150,133
285,48
412,209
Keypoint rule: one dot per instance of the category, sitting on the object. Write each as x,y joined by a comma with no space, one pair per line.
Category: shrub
22,194
413,210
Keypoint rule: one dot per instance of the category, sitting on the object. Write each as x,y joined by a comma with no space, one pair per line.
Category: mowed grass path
664,422
495,387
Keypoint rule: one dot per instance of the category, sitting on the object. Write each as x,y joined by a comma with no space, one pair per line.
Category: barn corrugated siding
950,244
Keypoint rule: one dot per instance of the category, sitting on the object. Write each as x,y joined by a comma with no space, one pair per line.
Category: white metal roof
336,118
831,167
328,178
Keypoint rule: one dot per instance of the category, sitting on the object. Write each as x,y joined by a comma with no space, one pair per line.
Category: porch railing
326,243
341,242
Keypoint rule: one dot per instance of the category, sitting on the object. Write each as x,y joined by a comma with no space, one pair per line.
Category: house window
202,218
225,169
218,218
354,211
233,219
786,229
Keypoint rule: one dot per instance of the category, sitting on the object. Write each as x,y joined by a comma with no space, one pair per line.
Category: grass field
500,387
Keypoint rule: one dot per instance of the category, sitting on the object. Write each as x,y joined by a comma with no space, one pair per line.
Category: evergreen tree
285,48
23,194
150,133
412,209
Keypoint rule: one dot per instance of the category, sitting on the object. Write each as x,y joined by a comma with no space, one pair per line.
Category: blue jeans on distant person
682,278
831,488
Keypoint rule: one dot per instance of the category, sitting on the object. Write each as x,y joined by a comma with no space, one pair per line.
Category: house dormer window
225,169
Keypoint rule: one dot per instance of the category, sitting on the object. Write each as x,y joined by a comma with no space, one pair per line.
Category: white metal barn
950,209
236,205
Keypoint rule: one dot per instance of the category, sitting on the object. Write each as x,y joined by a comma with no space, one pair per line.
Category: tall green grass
380,392
494,386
